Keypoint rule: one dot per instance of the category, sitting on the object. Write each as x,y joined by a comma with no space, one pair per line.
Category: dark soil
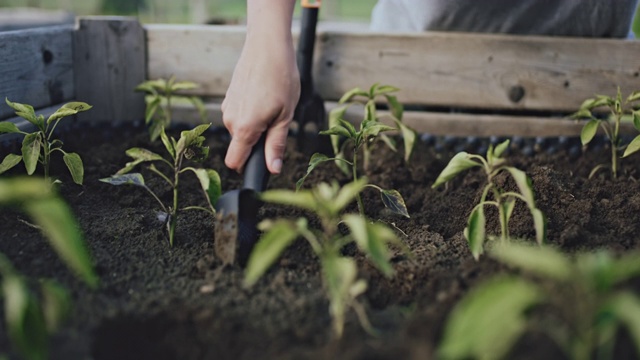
161,302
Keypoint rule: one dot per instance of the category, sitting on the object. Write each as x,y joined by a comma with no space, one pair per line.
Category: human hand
263,93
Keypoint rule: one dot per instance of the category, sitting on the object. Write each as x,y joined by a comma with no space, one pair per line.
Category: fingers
240,147
275,145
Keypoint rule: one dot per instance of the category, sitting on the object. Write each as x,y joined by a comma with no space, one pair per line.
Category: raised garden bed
162,302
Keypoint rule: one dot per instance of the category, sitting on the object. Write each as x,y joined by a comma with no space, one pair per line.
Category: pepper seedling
30,319
504,201
371,128
161,94
611,126
38,145
582,297
339,272
188,147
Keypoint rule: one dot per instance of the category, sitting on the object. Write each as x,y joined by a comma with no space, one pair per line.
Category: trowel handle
256,174
306,44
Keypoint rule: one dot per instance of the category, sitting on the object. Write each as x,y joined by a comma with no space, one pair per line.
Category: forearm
270,19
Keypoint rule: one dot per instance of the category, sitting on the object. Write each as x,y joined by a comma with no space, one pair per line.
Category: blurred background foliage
187,11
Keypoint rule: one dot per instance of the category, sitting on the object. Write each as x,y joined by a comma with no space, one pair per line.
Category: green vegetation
161,94
190,146
371,129
31,318
611,127
37,146
339,272
504,201
581,298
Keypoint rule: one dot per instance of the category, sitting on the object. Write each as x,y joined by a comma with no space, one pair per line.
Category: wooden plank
36,67
475,71
437,123
110,60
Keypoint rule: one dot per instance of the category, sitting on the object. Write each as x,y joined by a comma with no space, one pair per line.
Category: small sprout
339,272
190,146
161,94
38,146
582,297
370,129
619,109
504,201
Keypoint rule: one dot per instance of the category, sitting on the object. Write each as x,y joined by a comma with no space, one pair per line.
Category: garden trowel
237,211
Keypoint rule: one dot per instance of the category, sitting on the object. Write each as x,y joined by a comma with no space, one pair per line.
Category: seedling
504,201
610,126
339,272
30,319
188,147
370,130
38,145
584,305
161,94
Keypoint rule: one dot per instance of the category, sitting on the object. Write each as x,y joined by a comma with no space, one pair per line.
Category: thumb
275,145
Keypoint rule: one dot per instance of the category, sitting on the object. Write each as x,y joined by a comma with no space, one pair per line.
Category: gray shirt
588,18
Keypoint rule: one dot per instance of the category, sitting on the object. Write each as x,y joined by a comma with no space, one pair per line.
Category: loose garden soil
161,302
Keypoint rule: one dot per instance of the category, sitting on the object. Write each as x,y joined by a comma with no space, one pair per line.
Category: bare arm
265,86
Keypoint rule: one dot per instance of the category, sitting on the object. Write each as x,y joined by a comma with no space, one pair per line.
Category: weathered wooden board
477,71
36,67
437,123
110,61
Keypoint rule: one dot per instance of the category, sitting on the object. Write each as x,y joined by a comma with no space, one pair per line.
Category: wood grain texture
36,67
475,71
437,123
110,61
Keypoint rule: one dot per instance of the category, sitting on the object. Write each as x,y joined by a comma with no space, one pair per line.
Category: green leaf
9,162
369,112
539,260
633,147
139,155
634,96
397,110
459,163
302,199
25,324
352,93
8,128
589,131
125,179
74,164
335,115
507,207
475,231
189,138
524,185
391,144
582,114
540,224
500,148
385,89
409,136
636,119
347,194
26,112
155,129
625,268
489,320
199,105
56,304
168,144
184,85
60,113
315,160
58,224
626,308
373,240
340,275
280,235
31,151
152,107
393,200
210,183
373,128
338,130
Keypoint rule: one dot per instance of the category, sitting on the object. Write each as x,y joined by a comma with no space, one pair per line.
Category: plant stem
174,210
614,147
45,159
355,178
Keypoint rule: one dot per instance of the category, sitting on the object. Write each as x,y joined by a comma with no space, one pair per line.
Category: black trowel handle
256,174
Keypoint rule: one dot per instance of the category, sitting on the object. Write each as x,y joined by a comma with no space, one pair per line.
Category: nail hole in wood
516,93
329,63
47,56
567,84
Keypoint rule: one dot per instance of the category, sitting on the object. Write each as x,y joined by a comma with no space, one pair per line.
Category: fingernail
276,165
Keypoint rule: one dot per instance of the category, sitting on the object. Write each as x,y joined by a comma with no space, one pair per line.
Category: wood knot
516,93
